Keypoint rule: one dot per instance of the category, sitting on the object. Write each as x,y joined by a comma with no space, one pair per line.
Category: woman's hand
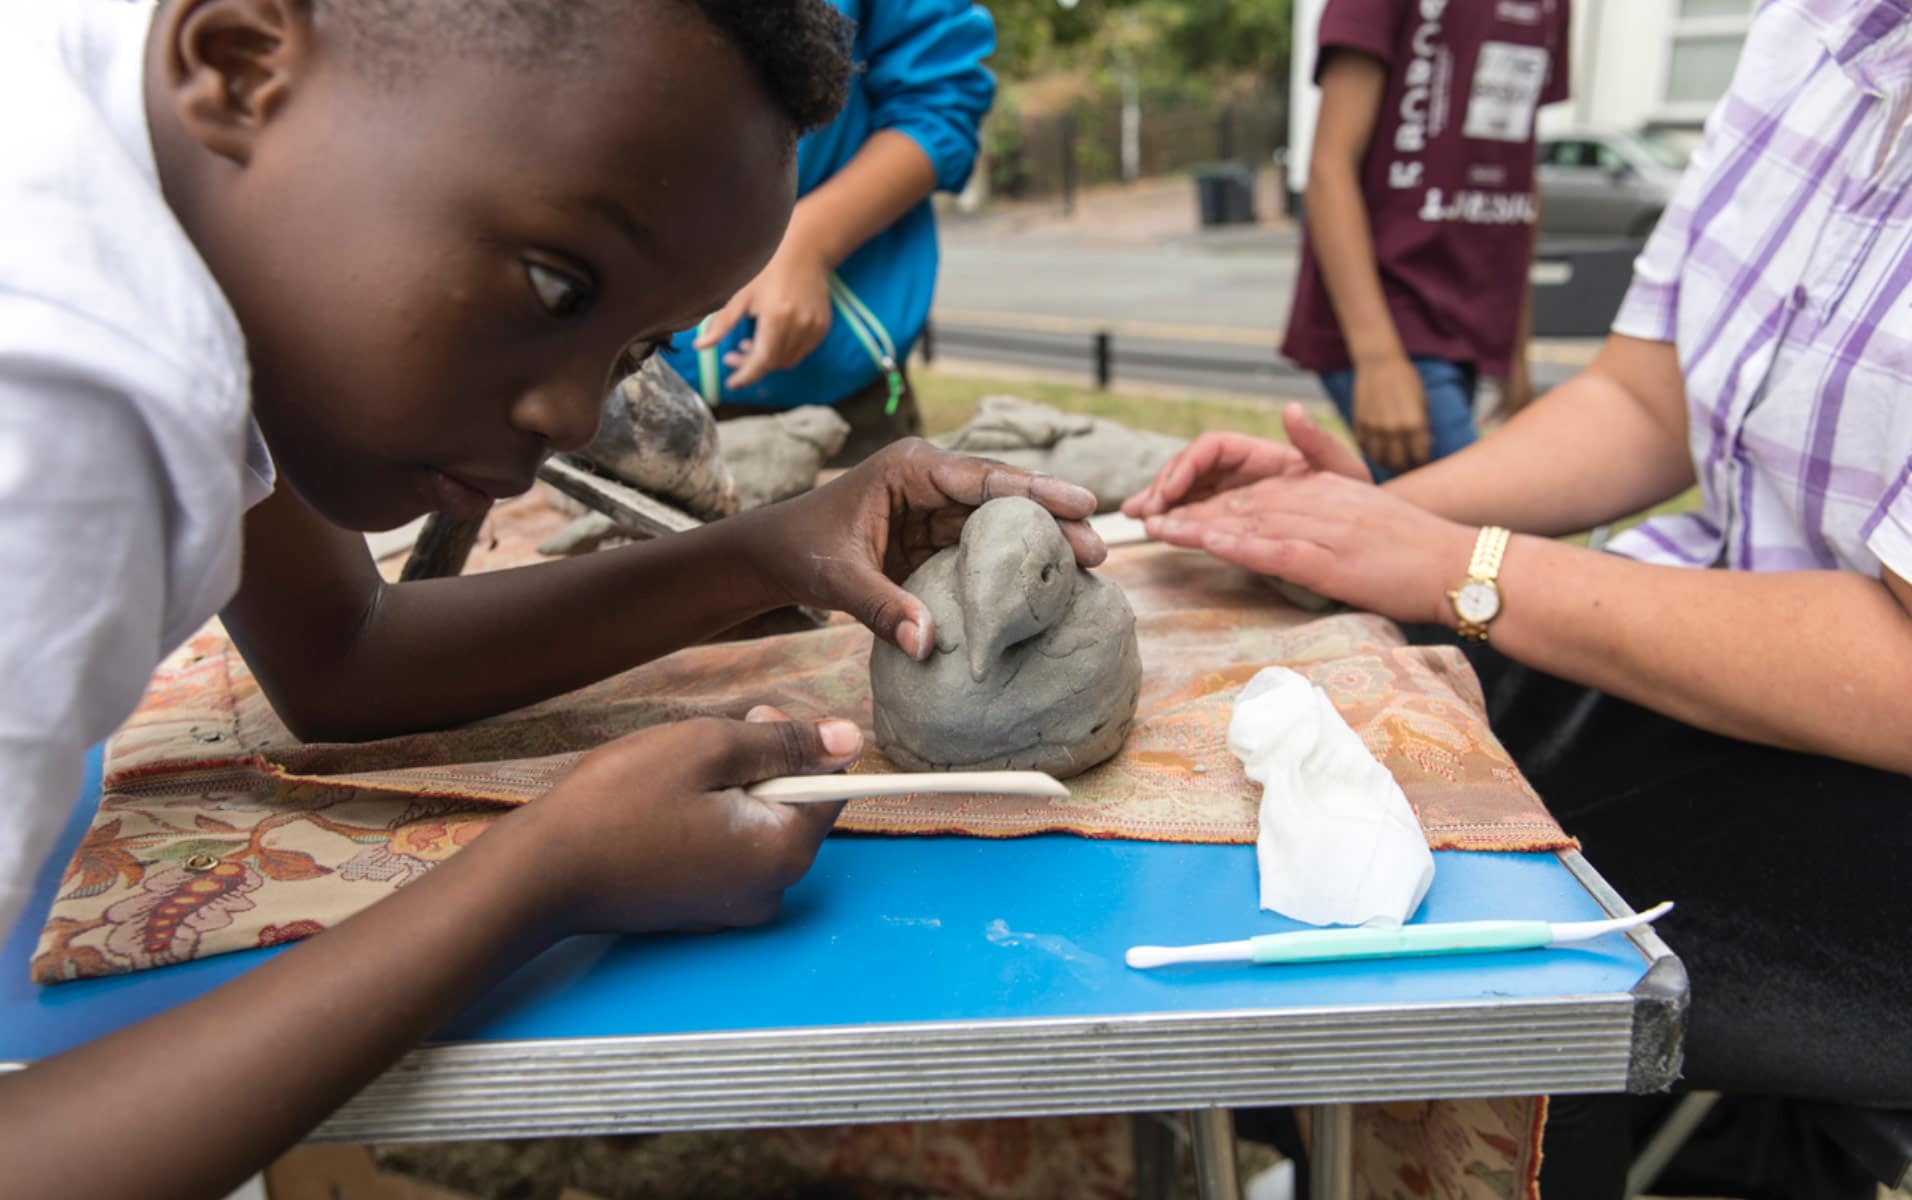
1219,462
1349,541
654,832
847,545
790,300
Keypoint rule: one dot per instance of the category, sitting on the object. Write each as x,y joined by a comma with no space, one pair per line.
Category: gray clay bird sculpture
1036,664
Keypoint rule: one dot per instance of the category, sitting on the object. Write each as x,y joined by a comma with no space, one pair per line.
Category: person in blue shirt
833,316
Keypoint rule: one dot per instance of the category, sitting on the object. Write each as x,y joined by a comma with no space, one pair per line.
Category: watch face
1477,601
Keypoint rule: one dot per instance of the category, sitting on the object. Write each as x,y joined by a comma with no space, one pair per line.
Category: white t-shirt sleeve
83,525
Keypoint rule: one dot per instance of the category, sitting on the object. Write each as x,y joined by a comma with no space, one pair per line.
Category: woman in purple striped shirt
1718,707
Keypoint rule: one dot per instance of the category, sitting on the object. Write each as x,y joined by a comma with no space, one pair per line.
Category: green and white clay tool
1117,530
1392,941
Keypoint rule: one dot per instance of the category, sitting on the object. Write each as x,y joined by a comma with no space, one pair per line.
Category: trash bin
1225,194
1578,284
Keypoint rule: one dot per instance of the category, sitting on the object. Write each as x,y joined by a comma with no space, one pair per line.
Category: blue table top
915,930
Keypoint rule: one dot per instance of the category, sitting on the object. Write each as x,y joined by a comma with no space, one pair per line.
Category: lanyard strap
861,322
876,339
708,381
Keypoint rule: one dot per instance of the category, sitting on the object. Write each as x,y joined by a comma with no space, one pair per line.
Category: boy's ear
231,66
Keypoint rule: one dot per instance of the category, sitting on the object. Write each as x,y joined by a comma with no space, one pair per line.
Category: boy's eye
562,295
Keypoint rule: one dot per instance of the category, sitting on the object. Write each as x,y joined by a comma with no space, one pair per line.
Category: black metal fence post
929,342
1067,131
1104,359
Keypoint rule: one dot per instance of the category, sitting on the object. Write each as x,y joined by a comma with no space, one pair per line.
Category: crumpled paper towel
1339,844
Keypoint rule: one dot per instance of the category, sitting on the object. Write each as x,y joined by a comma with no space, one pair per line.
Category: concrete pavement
1025,284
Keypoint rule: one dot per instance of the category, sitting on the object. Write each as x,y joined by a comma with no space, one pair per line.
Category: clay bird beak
989,636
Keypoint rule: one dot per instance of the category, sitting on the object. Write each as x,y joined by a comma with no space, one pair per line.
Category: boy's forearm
369,659
888,177
1337,224
308,1029
1524,320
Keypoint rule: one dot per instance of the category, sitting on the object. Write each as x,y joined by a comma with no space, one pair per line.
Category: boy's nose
562,412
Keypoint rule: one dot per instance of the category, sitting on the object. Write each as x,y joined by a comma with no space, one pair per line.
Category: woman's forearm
1608,443
1818,661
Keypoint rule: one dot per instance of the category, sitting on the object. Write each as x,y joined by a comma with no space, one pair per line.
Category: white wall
1304,98
1620,57
1620,50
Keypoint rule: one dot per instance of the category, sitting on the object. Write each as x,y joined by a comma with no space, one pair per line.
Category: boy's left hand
846,545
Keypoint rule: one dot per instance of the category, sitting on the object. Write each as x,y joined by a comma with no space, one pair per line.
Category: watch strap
1489,547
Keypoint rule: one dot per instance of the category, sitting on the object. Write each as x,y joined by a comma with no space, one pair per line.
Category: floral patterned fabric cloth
219,831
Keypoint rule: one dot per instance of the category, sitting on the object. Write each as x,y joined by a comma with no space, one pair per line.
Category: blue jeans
1450,404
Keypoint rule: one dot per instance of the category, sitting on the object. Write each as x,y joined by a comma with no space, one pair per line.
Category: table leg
1331,1152
1217,1175
1158,1174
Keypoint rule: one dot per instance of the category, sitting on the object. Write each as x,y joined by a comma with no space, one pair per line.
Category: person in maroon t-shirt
1421,213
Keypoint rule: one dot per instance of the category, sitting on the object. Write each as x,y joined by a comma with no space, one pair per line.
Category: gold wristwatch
1477,600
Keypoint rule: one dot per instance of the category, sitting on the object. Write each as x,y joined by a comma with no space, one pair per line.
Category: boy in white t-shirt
392,252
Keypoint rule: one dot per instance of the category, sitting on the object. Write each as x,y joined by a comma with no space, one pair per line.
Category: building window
1715,8
1707,37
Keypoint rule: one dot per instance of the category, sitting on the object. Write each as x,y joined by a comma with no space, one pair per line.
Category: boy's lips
461,499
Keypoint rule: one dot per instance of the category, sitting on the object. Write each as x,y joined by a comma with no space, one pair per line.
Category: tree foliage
1166,39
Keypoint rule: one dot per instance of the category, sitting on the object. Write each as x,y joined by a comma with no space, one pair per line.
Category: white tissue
1339,844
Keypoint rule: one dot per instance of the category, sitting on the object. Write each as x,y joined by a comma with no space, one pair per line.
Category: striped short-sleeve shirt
1782,272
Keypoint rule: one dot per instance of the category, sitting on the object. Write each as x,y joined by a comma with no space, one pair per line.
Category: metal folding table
932,978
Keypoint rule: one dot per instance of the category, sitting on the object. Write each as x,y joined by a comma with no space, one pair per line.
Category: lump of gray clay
1036,664
773,458
1305,599
1111,460
657,435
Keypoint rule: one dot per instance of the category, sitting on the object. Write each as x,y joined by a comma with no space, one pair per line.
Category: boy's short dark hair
799,49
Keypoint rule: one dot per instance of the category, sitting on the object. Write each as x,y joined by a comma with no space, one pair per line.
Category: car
1607,184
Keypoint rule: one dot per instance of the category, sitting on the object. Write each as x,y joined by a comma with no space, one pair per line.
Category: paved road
1231,280
1184,308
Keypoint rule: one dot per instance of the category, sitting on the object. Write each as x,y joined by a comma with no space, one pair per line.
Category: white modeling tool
819,789
1117,530
1392,941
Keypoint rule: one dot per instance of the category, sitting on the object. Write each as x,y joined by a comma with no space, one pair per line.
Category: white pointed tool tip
1143,958
1638,919
815,789
1585,931
1116,529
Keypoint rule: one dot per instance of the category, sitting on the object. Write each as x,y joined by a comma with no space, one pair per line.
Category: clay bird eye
1048,572
633,357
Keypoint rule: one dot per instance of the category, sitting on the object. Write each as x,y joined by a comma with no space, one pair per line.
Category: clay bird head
1018,578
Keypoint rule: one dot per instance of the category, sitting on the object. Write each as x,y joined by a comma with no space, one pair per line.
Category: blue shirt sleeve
924,75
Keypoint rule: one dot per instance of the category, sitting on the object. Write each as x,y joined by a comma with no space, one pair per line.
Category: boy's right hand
1390,413
653,831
